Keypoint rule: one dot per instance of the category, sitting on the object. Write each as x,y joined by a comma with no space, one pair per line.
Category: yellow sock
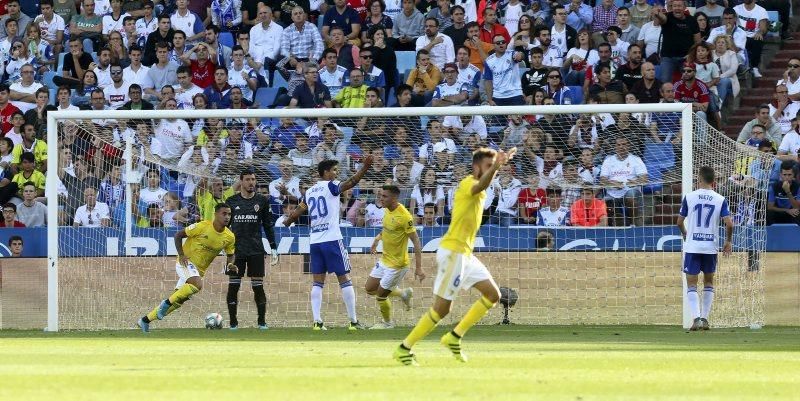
425,325
152,315
476,312
386,309
183,293
396,292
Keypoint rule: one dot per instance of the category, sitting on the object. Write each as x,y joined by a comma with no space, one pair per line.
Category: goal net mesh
121,261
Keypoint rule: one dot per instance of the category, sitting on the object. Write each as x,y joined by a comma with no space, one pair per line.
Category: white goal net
581,226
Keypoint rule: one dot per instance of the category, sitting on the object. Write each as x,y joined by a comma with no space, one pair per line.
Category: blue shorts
330,257
694,263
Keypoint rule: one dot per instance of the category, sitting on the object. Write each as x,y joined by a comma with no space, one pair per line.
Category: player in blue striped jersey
701,211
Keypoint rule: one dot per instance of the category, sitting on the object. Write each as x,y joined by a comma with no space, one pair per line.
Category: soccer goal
581,226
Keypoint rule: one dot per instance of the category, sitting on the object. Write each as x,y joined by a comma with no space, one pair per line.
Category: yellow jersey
397,225
202,137
39,150
206,202
467,215
37,178
204,243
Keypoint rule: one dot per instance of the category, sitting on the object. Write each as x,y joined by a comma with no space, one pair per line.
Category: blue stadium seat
226,38
774,18
390,100
406,60
658,157
265,97
60,62
355,152
576,94
278,81
274,171
47,80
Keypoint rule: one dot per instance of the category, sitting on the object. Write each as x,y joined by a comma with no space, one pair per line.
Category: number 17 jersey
702,210
323,204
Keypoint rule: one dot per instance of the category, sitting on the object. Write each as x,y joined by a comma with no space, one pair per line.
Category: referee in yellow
205,240
458,268
388,273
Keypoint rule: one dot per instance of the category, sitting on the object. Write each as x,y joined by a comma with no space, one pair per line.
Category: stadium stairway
754,92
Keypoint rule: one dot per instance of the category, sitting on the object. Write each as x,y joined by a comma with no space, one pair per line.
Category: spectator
76,183
51,25
114,20
457,31
287,186
791,78
223,53
383,56
19,57
491,28
579,14
783,203
37,116
14,14
630,32
116,94
707,72
689,89
354,95
531,198
10,216
728,63
331,147
754,21
92,213
112,189
152,193
439,45
87,27
650,38
702,24
552,56
41,53
135,101
437,141
604,16
608,89
331,75
469,75
578,59
373,76
218,93
789,149
589,211
426,191
30,144
554,214
187,21
408,26
562,35
376,18
450,92
146,23
623,174
783,110
130,37
426,72
713,13
302,155
265,40
478,49
737,36
23,92
680,32
164,34
15,246
172,135
506,89
163,73
136,73
203,67
763,117
413,167
508,190
300,41
226,14
343,16
380,173
444,14
429,215
631,72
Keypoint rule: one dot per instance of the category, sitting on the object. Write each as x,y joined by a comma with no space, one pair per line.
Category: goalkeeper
205,240
250,213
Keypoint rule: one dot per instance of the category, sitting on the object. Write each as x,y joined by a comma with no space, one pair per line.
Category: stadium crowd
581,170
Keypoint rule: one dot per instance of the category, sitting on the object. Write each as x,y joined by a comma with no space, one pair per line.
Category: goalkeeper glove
274,260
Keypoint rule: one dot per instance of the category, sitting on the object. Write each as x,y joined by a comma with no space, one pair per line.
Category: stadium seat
390,100
265,97
658,157
60,62
47,80
406,60
355,152
226,38
278,81
576,94
774,23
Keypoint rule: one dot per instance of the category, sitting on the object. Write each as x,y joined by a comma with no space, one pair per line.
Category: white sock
708,300
316,301
349,297
694,301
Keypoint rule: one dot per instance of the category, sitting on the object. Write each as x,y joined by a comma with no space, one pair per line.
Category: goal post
620,261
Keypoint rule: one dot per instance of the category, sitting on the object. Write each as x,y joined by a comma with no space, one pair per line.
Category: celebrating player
457,266
249,213
398,228
328,253
702,209
205,240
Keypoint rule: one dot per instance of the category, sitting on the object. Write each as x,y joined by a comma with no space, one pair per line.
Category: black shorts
252,265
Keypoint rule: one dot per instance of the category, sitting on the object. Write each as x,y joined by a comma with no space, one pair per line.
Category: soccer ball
213,321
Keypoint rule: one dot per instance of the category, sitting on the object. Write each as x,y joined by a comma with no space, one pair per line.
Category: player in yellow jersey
205,240
458,268
388,273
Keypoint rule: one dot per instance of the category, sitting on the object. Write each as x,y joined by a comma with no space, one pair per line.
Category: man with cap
450,92
689,89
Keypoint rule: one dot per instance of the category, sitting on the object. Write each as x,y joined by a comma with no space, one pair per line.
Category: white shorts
457,271
185,273
390,278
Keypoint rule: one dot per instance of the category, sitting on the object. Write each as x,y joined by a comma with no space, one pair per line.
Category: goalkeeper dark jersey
248,217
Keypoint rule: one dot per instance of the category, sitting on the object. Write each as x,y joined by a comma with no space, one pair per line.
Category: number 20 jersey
323,204
703,209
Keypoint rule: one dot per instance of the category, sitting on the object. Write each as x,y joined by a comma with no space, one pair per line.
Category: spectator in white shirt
439,45
287,186
508,189
136,73
23,93
288,208
152,193
51,25
117,93
187,21
623,174
172,136
266,37
92,213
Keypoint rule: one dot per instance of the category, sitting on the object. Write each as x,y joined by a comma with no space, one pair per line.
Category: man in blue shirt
783,203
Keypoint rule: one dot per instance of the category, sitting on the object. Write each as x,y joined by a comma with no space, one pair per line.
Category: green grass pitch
506,363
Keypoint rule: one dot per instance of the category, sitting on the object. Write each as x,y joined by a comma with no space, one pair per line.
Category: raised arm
502,158
355,178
